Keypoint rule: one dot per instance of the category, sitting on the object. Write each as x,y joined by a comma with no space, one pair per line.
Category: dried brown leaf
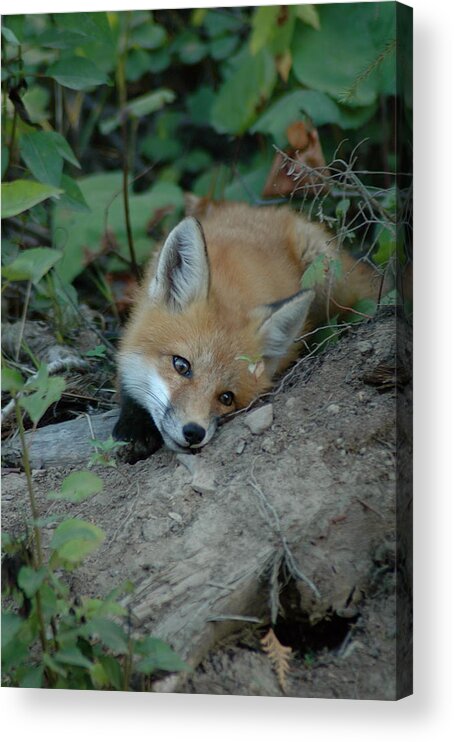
279,656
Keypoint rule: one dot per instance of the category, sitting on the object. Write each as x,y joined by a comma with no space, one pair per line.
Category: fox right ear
182,274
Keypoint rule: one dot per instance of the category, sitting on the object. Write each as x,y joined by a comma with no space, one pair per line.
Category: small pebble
365,346
240,447
333,408
259,420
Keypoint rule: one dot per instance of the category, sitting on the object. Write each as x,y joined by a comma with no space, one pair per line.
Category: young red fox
217,316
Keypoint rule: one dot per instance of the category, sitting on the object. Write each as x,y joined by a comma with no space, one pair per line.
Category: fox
220,313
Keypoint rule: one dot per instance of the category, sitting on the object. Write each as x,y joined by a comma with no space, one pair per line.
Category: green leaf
72,656
73,197
342,207
320,108
77,73
39,153
32,264
53,665
264,24
11,624
57,38
30,580
92,26
148,36
139,107
99,351
318,271
223,47
78,486
252,81
31,677
45,391
157,655
74,539
113,671
309,14
359,33
63,148
109,633
9,36
21,195
12,380
84,233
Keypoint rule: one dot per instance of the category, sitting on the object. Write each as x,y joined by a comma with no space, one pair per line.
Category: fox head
189,356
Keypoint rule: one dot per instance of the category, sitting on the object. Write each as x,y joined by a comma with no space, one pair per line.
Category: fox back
219,311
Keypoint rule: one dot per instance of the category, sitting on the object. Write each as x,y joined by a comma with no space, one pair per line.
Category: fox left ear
183,273
283,323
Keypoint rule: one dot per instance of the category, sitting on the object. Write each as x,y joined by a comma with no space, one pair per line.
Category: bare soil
298,521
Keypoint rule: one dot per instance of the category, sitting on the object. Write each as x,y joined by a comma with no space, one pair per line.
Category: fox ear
283,323
183,273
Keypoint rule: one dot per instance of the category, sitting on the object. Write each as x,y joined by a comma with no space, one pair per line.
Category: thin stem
38,554
122,99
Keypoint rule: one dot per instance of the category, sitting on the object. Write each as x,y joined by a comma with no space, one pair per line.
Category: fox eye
226,398
181,366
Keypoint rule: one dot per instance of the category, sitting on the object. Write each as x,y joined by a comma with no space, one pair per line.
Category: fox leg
136,427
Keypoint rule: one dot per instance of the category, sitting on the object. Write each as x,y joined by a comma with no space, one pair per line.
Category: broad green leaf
251,82
32,264
21,195
223,47
58,38
359,33
264,24
366,307
319,107
11,624
92,26
157,655
318,272
138,107
39,153
78,486
49,602
82,235
74,539
98,674
10,37
72,197
189,47
113,671
31,677
148,36
53,665
45,391
12,380
309,14
63,148
30,580
77,73
72,656
109,633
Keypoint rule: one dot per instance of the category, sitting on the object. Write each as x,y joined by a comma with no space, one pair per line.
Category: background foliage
107,120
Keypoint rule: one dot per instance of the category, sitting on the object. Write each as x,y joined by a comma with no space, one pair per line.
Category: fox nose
193,433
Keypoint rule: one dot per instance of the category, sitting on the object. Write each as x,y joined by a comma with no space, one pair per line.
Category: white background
74,715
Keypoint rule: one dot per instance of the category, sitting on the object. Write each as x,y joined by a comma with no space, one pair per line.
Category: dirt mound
294,525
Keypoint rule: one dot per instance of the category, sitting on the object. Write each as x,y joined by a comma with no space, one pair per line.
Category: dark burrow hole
293,628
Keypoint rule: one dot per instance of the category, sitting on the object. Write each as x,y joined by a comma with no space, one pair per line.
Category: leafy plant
50,637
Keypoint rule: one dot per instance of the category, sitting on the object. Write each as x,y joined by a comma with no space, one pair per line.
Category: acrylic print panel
268,149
